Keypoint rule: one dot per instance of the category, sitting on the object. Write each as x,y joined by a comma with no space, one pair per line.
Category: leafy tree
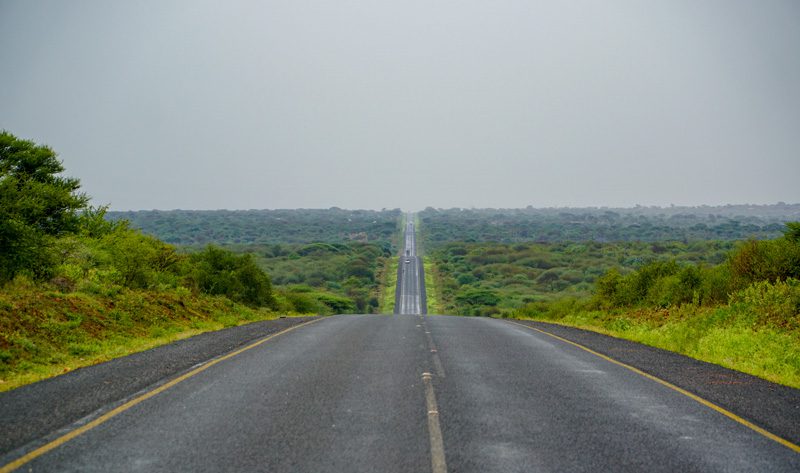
222,272
36,204
772,260
478,297
792,232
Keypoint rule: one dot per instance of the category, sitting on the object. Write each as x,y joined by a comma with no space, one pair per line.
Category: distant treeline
334,225
649,224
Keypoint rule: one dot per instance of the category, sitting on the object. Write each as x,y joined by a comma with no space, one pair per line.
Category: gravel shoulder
771,406
36,410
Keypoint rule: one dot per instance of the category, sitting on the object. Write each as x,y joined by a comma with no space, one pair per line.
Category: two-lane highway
410,279
401,393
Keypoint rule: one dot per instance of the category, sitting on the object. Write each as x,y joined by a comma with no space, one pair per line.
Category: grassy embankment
47,332
432,289
389,286
729,335
389,277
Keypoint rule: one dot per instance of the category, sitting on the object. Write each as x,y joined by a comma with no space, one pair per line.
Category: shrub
478,297
773,260
776,304
220,272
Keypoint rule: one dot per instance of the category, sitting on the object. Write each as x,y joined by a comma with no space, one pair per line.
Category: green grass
389,286
725,335
45,333
432,289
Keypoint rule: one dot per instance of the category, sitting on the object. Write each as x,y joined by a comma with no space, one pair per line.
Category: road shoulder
771,406
36,410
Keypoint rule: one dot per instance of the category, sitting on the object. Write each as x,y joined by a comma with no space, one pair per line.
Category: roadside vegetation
494,278
321,261
45,331
389,285
736,304
79,284
340,278
432,289
77,288
743,313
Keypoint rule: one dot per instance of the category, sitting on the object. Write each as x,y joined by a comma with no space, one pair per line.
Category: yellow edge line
686,393
114,412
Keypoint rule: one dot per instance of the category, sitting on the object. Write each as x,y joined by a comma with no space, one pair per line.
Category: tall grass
389,286
432,289
45,332
757,332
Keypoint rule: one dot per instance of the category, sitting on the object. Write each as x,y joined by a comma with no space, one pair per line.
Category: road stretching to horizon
410,276
406,392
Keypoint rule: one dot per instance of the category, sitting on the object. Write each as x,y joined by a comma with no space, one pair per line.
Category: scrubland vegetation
326,277
320,261
492,278
732,303
334,225
640,224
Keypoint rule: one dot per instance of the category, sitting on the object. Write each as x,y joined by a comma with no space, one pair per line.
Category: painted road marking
133,402
437,362
438,463
686,393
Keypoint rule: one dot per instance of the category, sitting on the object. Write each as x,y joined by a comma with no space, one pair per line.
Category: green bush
221,272
772,260
474,298
775,304
141,261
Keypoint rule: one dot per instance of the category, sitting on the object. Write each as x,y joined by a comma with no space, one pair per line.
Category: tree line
650,224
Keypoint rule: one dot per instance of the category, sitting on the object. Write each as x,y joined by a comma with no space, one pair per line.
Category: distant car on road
408,261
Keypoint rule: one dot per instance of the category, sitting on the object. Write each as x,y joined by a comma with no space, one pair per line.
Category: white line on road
438,463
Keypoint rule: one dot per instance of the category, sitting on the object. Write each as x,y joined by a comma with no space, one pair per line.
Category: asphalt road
349,393
410,281
406,392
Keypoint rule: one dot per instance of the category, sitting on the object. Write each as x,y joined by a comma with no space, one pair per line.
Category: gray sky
371,104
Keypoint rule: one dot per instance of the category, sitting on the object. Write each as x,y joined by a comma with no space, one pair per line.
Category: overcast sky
371,104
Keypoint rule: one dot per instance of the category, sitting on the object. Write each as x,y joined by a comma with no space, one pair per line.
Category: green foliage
477,301
792,232
729,335
221,272
651,224
44,333
521,273
48,231
353,270
276,227
36,205
743,313
140,261
776,304
667,284
773,260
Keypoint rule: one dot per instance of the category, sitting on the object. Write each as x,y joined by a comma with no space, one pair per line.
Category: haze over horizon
283,104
